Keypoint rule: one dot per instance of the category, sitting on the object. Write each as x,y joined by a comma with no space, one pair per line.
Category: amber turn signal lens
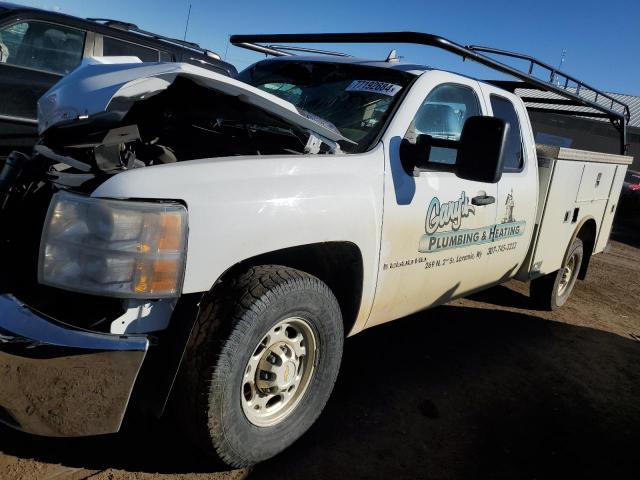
171,232
158,276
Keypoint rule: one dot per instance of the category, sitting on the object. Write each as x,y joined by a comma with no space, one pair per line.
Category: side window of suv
442,116
504,109
113,47
41,46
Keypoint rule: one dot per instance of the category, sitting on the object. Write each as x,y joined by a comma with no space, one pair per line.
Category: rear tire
552,291
261,364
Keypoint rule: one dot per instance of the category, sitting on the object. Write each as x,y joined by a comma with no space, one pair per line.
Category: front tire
552,291
261,365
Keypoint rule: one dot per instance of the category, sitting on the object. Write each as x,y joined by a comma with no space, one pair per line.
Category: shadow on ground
458,392
503,296
626,226
454,392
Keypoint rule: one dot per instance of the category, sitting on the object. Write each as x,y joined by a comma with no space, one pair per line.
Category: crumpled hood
96,88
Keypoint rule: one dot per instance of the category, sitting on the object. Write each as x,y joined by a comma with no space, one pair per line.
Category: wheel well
338,264
587,233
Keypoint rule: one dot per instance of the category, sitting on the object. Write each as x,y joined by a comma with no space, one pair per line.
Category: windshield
354,98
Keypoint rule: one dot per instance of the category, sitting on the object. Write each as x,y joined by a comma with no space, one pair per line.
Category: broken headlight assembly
113,248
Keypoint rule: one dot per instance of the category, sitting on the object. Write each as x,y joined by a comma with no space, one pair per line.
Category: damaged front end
104,119
114,117
81,309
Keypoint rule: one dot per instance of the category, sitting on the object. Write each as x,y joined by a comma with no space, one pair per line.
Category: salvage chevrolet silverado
182,238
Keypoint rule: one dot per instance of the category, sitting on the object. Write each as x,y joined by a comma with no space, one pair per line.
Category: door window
112,47
504,109
442,116
41,46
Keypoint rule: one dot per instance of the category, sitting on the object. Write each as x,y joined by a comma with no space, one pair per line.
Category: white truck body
356,198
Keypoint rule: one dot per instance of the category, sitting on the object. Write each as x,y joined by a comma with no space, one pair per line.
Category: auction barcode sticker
374,86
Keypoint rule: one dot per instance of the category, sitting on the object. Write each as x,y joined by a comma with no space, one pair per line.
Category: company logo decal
442,214
453,213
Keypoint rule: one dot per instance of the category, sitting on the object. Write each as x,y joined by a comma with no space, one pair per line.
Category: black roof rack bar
557,75
115,23
132,27
286,48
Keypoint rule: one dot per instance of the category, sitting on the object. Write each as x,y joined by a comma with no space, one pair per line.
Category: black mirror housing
481,149
415,154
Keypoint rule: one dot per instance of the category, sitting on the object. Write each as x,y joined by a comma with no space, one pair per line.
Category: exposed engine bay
183,122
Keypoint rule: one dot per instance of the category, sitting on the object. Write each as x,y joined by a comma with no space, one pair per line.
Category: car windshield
355,99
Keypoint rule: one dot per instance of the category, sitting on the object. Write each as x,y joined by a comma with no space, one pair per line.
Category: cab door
435,224
518,188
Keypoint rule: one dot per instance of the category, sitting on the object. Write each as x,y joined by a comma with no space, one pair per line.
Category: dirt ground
480,388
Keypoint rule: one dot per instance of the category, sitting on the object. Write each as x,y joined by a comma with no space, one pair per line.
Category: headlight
113,247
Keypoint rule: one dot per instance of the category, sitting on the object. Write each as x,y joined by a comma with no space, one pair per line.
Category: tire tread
213,339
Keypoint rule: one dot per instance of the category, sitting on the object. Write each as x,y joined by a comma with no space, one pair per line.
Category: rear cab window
42,46
513,151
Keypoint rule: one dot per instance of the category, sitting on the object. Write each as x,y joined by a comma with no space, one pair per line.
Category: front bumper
56,380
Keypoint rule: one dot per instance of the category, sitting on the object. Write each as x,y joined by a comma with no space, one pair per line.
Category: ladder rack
571,90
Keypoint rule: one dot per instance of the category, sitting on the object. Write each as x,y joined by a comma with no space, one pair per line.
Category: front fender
241,207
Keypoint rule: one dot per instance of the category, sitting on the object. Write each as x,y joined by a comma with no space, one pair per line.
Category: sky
601,39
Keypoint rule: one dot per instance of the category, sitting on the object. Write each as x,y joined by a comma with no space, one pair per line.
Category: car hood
96,88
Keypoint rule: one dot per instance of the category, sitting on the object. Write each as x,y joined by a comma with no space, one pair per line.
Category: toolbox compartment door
596,182
610,210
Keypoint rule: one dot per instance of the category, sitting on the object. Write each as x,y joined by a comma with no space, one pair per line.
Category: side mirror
414,155
481,149
417,155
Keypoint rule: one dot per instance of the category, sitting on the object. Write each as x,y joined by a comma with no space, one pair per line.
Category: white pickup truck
183,238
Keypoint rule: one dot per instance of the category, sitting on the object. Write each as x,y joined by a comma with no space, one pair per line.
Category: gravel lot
480,388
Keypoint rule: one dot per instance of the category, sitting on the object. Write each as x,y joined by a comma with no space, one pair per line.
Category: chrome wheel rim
567,275
279,371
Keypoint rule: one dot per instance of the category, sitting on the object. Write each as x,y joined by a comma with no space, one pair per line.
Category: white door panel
434,240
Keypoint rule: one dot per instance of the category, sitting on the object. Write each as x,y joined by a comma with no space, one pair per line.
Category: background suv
38,48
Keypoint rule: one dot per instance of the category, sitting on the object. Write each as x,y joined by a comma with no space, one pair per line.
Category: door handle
482,200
